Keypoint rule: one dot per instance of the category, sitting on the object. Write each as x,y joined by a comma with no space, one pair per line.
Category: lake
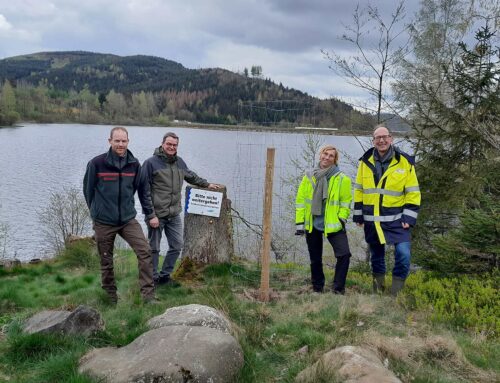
40,159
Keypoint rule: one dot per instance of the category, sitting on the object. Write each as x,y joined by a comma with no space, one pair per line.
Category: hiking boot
378,283
166,280
397,285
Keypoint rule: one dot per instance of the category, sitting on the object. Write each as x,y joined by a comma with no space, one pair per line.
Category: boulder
348,364
169,354
82,321
192,315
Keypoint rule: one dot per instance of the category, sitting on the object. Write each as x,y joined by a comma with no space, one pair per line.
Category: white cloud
283,36
4,24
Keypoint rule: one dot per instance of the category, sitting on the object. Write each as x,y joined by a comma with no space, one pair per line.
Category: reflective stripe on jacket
337,205
384,206
109,190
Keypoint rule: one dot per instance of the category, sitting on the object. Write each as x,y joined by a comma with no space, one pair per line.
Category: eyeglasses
171,145
380,138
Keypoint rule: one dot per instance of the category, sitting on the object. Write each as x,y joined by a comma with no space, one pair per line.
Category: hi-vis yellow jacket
337,204
383,206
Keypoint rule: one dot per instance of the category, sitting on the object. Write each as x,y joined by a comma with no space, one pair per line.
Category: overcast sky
283,36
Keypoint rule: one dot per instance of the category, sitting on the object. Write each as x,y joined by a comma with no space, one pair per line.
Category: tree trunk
208,239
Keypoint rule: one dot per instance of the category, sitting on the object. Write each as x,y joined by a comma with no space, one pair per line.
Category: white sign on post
203,202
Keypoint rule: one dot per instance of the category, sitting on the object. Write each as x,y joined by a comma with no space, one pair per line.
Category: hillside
211,95
440,330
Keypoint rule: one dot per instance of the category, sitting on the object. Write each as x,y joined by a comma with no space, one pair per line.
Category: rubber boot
378,283
397,285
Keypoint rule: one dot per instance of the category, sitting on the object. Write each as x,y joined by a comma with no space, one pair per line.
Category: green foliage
473,245
24,348
463,302
81,253
91,88
270,334
457,138
9,118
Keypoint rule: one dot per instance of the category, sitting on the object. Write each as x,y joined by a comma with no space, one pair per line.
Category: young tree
458,135
115,105
8,113
435,33
66,214
372,66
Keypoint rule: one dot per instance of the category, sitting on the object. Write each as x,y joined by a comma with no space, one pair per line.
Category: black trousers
340,246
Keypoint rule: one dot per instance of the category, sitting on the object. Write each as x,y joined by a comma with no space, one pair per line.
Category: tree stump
209,239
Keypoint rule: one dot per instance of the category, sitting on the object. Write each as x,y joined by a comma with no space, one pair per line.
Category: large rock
169,354
83,321
348,364
192,315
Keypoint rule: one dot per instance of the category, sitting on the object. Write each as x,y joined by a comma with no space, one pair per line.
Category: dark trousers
340,246
132,233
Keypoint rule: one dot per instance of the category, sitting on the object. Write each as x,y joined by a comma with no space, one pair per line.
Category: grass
418,347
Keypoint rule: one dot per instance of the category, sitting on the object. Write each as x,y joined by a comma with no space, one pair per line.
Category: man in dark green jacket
165,173
109,185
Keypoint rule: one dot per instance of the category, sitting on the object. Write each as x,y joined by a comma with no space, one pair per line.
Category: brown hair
330,147
117,128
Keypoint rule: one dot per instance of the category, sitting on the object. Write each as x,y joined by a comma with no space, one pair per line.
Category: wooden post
266,226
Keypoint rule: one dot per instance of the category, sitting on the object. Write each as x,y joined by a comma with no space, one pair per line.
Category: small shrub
465,302
81,253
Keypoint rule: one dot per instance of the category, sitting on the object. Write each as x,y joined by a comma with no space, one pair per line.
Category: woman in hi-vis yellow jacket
322,208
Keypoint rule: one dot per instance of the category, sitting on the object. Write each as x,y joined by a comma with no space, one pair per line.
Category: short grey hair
380,126
170,134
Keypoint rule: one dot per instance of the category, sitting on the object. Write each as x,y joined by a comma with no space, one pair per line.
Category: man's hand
214,186
359,224
300,232
405,225
154,222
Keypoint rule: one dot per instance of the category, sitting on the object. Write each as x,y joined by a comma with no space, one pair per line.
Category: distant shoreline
250,128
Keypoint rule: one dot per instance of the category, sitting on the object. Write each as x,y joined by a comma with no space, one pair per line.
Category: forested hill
205,95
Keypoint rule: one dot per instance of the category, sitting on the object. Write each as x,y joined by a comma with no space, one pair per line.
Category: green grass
433,348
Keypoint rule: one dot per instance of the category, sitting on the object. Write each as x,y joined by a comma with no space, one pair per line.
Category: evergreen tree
459,143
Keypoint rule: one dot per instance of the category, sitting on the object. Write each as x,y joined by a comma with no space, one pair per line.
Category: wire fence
293,157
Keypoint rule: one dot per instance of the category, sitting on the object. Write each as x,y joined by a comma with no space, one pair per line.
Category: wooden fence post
266,226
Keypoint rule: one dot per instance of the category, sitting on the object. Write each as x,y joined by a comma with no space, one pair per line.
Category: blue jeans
402,256
173,231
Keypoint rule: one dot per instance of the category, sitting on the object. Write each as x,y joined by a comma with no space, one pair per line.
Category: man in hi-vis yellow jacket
386,203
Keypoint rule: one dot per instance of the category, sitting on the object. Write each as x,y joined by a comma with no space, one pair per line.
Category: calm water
38,159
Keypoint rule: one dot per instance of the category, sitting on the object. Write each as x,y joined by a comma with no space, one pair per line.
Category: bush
81,253
473,245
9,118
465,302
66,214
